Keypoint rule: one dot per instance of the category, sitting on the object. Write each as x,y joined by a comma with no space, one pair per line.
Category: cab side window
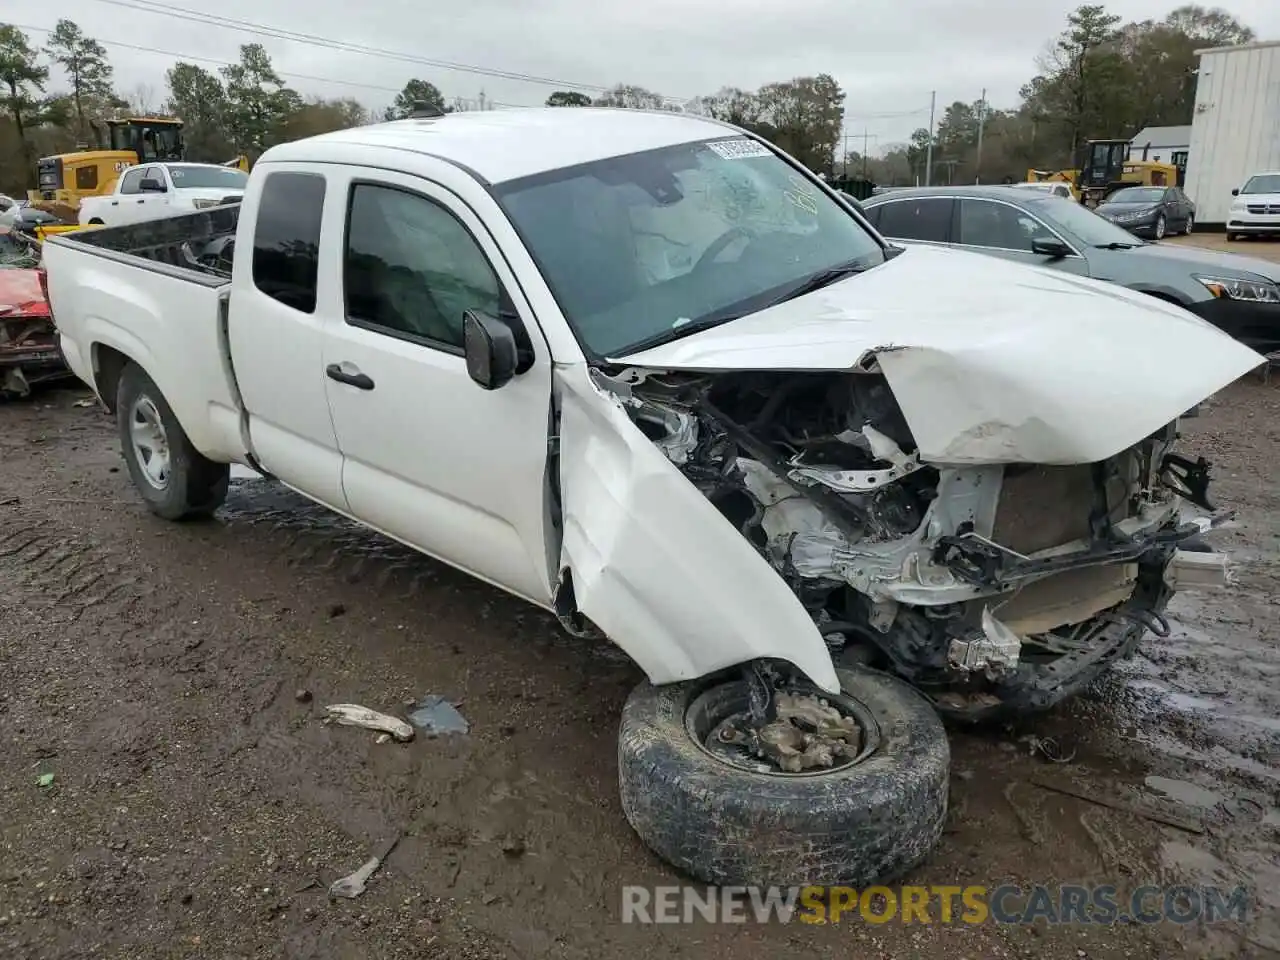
129,182
928,218
286,238
411,269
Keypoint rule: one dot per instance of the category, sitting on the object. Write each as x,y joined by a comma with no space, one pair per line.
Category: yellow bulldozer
64,180
1109,165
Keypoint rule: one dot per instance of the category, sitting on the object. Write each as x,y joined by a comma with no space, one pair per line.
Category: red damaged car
29,351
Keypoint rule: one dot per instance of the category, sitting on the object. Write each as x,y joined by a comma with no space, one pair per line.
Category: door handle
361,381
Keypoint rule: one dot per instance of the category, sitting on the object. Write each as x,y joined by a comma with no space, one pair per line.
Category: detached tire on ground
175,479
867,822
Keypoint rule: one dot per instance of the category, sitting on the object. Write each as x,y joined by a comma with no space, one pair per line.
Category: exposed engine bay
989,587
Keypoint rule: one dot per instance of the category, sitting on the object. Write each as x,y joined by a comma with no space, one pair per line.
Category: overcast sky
886,56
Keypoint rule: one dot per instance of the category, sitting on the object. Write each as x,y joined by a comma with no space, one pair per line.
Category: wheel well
108,364
1166,297
97,220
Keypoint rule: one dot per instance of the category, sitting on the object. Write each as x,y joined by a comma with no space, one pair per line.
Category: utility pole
482,99
982,116
844,163
928,156
864,153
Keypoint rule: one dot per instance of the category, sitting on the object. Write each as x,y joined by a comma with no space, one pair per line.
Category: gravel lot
171,679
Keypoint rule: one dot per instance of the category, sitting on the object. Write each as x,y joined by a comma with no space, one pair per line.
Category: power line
278,33
214,60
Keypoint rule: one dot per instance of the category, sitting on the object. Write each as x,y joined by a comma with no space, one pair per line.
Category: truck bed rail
202,241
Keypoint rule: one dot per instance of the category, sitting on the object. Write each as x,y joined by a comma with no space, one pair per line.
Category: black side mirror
1050,247
152,186
490,348
1235,192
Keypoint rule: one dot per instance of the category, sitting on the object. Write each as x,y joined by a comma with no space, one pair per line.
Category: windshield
1090,228
1137,195
207,177
639,248
1267,183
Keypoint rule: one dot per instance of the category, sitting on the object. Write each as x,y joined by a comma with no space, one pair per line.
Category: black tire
1159,230
722,824
1191,222
195,486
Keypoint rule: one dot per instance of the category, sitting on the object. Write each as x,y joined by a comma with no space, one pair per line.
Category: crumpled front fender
655,565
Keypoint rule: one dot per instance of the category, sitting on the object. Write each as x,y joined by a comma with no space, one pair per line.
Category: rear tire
176,480
869,821
1191,222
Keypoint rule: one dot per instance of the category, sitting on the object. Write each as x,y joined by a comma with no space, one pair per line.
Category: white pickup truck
649,373
153,190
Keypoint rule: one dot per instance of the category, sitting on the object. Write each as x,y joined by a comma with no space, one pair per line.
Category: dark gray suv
1239,295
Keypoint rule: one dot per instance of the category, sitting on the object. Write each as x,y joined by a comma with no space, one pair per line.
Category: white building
1235,130
1162,144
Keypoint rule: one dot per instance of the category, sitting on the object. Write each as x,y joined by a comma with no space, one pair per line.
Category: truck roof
501,145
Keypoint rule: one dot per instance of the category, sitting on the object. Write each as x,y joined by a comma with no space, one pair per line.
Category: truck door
275,331
428,456
125,206
155,193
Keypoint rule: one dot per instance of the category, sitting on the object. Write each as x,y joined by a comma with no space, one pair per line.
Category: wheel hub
150,442
809,732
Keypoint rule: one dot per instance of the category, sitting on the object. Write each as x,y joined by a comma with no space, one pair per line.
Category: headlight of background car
1253,291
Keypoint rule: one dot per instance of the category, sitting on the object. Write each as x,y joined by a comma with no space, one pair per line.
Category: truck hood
990,361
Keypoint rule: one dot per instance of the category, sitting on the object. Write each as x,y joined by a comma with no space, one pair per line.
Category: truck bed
200,242
139,293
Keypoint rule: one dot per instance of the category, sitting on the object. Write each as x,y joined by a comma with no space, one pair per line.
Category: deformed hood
990,361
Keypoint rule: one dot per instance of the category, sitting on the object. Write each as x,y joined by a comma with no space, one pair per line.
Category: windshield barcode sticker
740,149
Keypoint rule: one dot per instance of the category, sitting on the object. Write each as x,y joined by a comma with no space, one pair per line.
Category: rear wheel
715,809
174,478
1191,222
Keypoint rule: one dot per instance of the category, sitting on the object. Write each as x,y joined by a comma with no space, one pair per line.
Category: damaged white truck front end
990,508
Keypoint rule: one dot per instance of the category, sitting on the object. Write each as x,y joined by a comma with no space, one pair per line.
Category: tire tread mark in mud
12,551
315,537
63,569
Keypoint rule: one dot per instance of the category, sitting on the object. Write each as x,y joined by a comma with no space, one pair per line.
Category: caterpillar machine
64,180
1109,165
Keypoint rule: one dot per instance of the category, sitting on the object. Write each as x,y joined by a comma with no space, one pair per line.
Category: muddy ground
198,807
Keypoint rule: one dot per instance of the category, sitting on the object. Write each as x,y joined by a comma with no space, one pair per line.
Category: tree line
1099,78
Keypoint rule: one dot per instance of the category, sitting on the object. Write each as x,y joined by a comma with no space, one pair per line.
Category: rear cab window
286,238
130,181
926,218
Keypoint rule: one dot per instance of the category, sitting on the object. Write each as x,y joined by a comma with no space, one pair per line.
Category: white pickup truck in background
153,190
654,376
